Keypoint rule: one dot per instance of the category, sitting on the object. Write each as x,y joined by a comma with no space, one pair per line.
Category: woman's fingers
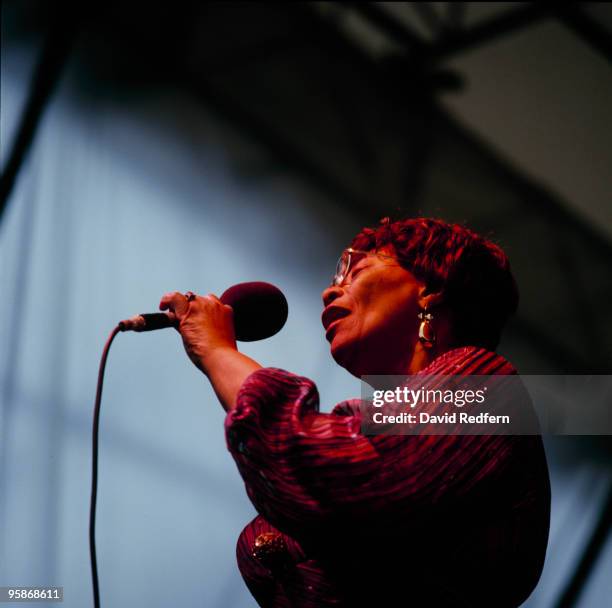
214,298
175,302
204,322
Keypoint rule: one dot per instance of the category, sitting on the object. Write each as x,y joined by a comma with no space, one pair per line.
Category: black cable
94,469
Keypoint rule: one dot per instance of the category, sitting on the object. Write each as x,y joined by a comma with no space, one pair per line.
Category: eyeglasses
349,258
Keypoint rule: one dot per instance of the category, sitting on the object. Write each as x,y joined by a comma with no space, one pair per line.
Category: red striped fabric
402,520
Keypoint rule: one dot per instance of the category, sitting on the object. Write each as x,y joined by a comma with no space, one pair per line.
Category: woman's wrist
215,359
227,368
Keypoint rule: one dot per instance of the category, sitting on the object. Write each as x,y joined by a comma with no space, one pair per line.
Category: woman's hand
205,324
207,328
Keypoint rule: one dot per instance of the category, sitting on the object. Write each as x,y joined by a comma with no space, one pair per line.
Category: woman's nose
330,294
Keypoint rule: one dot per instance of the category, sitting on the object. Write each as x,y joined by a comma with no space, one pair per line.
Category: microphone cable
260,311
94,469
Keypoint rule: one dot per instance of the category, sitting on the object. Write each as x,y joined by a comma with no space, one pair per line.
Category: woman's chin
344,355
338,350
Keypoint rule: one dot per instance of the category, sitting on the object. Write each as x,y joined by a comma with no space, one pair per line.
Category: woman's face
371,318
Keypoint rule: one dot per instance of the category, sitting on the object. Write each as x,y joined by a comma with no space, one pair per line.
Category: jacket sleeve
303,469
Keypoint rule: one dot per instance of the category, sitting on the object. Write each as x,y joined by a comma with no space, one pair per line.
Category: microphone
260,311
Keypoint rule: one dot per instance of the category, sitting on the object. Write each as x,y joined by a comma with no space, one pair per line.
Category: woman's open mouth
331,317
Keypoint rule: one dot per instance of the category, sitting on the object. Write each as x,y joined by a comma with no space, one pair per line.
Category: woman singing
351,520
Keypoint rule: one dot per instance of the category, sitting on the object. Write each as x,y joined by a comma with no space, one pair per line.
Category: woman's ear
429,299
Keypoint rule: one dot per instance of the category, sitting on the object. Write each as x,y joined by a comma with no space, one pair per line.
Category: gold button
270,549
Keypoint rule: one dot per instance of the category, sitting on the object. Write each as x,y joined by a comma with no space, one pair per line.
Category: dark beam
488,30
428,16
398,32
586,28
53,57
454,41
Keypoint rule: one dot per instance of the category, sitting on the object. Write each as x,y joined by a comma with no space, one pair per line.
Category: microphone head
260,310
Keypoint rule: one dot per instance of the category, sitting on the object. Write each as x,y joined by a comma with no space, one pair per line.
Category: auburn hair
472,272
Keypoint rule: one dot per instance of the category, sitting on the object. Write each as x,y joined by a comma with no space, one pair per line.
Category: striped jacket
349,520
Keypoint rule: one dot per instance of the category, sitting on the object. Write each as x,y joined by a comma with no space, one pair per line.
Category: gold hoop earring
427,335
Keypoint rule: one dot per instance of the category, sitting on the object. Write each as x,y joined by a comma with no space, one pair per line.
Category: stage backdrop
118,203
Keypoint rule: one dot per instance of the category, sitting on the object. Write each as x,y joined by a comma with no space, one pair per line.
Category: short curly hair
472,273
